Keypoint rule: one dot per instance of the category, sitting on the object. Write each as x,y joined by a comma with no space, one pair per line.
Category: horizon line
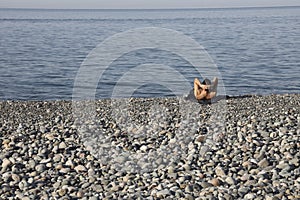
176,8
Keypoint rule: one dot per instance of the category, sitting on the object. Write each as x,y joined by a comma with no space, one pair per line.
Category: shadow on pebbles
238,148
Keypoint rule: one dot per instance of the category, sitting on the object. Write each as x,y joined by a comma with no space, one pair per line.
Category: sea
254,51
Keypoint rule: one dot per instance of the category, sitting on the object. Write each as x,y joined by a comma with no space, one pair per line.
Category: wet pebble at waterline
255,156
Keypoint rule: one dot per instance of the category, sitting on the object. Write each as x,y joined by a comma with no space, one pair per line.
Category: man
205,90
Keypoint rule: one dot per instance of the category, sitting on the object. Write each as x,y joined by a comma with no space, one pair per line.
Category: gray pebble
80,168
40,167
220,172
263,163
230,180
163,193
205,184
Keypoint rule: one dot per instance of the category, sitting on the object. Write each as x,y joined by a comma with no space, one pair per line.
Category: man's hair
206,82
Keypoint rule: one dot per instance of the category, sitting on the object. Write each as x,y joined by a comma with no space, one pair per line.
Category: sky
142,4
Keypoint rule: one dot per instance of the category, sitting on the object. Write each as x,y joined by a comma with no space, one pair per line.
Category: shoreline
222,96
242,147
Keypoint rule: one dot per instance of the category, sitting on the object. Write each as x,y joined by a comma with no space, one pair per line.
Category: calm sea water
256,49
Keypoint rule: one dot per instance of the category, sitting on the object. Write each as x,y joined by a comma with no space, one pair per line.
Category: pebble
15,177
187,167
144,148
181,179
163,193
282,165
215,182
30,180
205,184
65,170
40,167
62,145
230,180
263,163
70,164
79,194
188,189
80,168
250,196
203,150
201,139
62,192
220,172
243,191
170,169
272,198
23,185
5,164
245,155
172,175
57,158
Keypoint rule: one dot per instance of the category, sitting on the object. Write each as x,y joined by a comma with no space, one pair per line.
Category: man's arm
199,92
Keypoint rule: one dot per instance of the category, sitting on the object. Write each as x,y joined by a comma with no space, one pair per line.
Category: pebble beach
249,149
